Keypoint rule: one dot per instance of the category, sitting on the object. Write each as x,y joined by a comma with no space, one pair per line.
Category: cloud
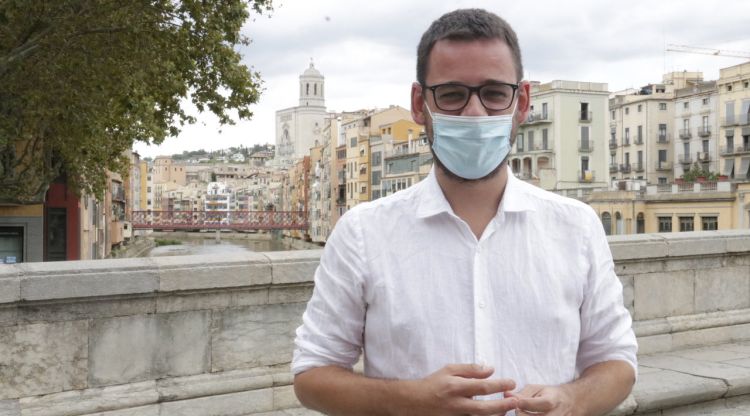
366,50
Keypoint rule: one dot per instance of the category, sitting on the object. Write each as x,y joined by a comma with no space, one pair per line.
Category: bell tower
311,90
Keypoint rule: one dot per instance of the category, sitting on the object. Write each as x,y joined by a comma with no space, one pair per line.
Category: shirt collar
516,195
432,200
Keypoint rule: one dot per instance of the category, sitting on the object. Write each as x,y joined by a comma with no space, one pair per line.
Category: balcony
585,146
685,159
685,134
638,140
585,116
662,138
626,141
613,144
613,168
537,117
742,149
625,168
663,165
703,157
638,167
704,131
586,176
726,150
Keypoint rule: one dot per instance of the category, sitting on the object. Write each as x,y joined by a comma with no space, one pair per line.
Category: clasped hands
450,391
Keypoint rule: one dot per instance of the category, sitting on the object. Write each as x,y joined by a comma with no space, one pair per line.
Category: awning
728,166
729,133
746,131
744,166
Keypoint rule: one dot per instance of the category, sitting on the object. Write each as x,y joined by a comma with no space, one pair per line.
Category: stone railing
212,335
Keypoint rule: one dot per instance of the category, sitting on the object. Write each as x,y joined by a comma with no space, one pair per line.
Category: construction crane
707,51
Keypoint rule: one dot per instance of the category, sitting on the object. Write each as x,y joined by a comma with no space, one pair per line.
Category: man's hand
450,391
544,400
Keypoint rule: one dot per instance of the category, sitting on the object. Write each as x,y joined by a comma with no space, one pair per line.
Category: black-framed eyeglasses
495,96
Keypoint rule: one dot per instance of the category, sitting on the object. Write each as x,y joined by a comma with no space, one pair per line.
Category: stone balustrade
212,335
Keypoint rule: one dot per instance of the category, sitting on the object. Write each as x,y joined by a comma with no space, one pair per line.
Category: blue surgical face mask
471,147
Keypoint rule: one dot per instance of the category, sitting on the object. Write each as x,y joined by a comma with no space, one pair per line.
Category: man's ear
417,104
524,101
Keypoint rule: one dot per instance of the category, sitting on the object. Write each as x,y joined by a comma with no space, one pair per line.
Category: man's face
473,63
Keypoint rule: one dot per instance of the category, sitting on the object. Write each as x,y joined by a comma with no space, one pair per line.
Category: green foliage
82,80
166,242
697,171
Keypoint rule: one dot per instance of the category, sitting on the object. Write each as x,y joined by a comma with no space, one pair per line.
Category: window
544,139
519,142
640,107
640,224
662,180
746,84
627,110
376,158
607,223
709,223
613,114
729,88
353,142
705,101
531,140
544,111
663,106
11,245
686,224
662,156
685,105
665,224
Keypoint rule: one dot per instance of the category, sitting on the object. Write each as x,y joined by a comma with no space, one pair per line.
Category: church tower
311,88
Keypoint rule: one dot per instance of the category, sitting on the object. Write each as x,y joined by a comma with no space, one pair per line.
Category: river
203,243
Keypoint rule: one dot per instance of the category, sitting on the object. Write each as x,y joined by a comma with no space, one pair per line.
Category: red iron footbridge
219,220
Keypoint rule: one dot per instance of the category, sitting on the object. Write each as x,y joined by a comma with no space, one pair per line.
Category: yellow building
357,134
674,208
166,171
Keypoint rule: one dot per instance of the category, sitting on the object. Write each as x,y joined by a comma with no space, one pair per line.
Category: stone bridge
207,335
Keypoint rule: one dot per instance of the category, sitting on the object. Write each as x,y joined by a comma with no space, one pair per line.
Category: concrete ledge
209,272
229,393
691,322
652,246
10,289
294,266
88,278
638,246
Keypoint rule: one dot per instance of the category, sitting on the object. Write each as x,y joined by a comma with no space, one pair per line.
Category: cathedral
300,128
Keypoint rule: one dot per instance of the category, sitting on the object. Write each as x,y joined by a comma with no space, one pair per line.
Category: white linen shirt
405,280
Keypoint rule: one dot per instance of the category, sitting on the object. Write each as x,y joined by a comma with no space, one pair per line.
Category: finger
529,390
487,407
536,404
469,370
473,387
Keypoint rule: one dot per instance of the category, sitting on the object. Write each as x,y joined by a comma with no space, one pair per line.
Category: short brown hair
467,24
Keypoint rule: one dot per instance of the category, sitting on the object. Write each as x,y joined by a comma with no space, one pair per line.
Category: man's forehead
484,60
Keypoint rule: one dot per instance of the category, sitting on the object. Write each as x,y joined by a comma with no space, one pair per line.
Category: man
471,292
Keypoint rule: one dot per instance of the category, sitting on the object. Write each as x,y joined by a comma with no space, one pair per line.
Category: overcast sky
367,51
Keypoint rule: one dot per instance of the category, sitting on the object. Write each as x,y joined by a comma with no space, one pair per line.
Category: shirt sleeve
333,323
606,326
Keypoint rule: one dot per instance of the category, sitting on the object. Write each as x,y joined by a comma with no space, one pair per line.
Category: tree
82,80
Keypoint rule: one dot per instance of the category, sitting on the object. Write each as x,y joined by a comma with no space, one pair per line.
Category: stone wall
207,335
